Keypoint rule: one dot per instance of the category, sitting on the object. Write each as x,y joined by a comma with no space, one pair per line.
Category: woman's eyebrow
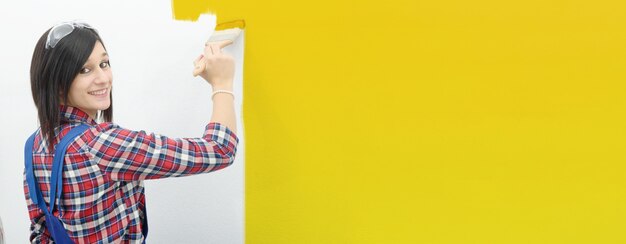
104,54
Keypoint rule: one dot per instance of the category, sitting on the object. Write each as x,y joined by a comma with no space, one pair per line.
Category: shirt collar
74,114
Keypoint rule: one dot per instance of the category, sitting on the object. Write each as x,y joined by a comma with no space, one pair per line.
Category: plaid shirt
103,195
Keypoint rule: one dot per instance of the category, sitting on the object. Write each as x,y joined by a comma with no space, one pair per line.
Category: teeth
100,92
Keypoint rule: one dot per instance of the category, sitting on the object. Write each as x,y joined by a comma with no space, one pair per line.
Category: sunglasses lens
57,33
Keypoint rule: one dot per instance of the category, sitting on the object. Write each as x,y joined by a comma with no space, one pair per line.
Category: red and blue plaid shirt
103,195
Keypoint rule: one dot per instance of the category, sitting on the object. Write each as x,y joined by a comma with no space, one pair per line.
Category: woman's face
90,91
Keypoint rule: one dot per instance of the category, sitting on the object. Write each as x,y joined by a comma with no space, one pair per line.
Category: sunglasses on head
62,30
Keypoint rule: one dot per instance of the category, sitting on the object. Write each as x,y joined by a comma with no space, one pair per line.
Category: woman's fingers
198,65
207,50
224,43
212,49
221,44
195,62
212,52
215,49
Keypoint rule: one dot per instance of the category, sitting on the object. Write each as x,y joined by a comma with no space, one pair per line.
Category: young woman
102,199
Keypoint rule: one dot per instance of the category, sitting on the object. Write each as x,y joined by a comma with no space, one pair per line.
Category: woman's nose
103,76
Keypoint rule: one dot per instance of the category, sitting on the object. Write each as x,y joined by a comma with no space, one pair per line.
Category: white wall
151,56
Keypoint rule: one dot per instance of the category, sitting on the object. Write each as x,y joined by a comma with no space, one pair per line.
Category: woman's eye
104,64
84,71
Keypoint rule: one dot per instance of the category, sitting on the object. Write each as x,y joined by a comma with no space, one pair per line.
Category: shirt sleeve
127,155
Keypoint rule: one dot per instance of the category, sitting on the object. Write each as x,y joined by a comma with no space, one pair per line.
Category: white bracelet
222,91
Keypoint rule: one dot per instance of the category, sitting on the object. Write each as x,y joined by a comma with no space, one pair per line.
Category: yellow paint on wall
407,121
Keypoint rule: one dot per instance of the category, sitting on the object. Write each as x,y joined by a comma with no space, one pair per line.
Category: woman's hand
218,67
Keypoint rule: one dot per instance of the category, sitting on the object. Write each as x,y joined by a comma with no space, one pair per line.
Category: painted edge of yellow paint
192,17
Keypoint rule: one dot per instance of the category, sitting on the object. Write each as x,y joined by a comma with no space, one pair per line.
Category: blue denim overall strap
53,224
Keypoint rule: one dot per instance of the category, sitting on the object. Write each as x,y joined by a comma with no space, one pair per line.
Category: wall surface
151,57
411,121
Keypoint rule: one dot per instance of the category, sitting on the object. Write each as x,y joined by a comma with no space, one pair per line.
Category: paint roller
227,31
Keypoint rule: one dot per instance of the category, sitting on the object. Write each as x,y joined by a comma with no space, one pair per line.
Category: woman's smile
100,93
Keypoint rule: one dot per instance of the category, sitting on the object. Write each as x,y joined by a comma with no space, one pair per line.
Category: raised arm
127,155
219,72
